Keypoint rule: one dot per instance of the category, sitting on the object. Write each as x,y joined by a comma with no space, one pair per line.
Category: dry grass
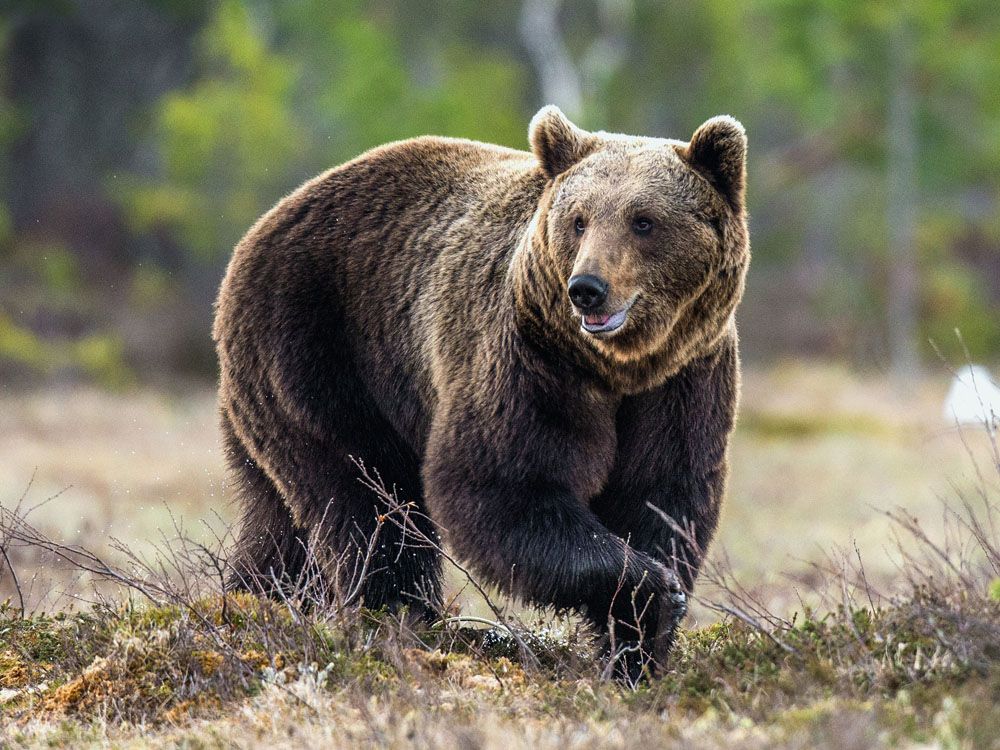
819,454
920,671
895,640
105,466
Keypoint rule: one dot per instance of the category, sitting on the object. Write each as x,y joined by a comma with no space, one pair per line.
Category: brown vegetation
875,657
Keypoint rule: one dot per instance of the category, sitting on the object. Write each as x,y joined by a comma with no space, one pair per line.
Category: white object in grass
973,398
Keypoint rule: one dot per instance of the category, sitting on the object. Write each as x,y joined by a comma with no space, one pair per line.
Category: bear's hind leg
271,552
381,550
326,519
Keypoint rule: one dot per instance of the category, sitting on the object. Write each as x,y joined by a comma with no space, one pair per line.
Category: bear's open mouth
606,323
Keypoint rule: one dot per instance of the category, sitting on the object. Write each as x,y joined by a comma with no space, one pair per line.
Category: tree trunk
558,77
901,206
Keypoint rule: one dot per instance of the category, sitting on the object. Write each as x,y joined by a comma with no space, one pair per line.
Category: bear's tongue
596,320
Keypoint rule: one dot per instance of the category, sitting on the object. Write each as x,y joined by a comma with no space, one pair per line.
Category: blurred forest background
139,140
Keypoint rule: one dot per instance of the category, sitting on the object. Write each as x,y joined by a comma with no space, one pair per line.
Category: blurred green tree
905,95
140,141
227,142
362,87
10,125
257,120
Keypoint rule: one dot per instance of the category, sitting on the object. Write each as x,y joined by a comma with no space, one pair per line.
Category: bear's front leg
506,487
665,491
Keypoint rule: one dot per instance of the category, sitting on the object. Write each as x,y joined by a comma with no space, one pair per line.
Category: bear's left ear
718,151
557,143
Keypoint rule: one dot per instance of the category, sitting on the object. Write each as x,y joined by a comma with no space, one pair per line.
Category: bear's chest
587,446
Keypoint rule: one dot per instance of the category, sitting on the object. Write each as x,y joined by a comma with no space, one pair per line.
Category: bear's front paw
639,641
673,607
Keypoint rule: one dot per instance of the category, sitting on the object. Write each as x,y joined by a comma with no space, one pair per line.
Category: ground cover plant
155,654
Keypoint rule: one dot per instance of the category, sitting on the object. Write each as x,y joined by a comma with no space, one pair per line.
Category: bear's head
648,237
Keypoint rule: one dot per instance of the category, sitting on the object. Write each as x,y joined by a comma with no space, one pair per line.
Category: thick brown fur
409,308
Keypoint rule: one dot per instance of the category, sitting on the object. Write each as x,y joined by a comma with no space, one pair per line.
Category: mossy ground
818,454
905,675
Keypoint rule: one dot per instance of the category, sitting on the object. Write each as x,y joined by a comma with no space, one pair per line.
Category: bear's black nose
588,292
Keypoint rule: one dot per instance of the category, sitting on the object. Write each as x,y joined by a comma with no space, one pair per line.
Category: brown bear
537,350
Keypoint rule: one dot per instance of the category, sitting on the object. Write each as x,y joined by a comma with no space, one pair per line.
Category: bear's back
403,250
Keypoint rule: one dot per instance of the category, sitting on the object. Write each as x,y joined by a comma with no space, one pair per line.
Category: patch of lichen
553,657
30,649
149,663
14,671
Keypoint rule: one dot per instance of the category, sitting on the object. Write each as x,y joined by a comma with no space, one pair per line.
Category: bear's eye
642,225
579,225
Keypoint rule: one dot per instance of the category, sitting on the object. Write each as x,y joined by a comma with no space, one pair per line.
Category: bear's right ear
557,143
718,150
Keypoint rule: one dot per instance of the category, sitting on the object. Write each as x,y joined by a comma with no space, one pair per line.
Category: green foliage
475,99
98,357
954,299
11,119
150,287
366,90
227,142
6,230
272,93
11,126
254,123
795,426
994,590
